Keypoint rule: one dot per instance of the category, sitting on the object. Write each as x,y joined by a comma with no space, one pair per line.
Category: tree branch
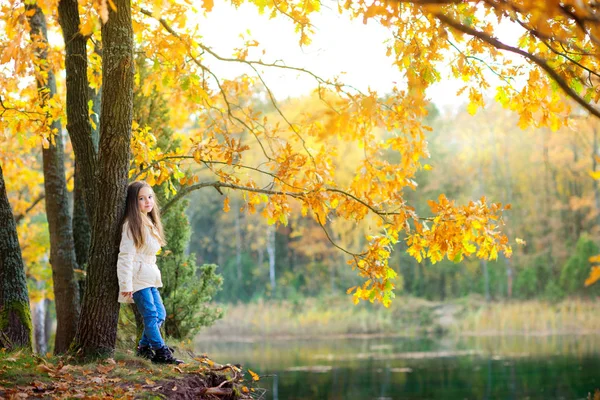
5,108
168,28
19,217
535,59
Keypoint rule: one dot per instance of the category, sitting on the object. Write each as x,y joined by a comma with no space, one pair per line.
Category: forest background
541,159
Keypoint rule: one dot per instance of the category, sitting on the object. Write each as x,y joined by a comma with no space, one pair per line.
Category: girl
139,277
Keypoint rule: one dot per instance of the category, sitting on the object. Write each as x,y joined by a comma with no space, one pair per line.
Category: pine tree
188,288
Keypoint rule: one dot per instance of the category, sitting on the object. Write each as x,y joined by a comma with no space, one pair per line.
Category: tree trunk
509,277
48,320
39,327
78,123
81,228
97,331
271,253
238,241
15,317
484,264
508,199
81,223
62,247
486,279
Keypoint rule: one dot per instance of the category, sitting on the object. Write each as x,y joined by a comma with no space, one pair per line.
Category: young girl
139,277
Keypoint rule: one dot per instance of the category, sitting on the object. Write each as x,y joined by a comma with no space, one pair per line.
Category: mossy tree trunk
97,331
15,317
62,247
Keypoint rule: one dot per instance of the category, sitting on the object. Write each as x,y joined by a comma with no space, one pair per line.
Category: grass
573,316
23,374
322,317
407,316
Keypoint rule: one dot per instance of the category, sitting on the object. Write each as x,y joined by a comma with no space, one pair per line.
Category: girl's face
145,200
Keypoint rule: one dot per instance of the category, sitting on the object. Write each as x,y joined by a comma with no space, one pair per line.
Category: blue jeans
153,312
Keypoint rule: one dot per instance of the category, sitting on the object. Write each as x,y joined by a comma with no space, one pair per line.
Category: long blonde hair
133,214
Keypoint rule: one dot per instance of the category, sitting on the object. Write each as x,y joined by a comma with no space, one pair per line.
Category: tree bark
81,228
97,330
62,247
78,123
15,317
81,223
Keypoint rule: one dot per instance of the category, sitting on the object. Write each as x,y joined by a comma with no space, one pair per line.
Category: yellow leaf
595,175
208,5
520,241
87,28
254,375
427,167
226,207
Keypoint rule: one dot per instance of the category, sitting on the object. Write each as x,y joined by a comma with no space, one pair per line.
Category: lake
505,367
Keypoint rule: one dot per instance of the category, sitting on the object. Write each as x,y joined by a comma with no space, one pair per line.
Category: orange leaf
226,207
594,276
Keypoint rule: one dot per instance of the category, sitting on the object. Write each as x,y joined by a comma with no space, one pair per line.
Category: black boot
165,356
144,352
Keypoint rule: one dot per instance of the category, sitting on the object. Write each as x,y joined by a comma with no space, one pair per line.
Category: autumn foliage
289,156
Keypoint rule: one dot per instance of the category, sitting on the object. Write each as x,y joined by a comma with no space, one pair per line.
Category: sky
339,44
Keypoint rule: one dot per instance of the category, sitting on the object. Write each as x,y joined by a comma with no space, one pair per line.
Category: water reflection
516,367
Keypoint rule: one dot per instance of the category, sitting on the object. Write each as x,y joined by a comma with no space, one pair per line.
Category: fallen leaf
105,369
97,379
44,368
178,370
111,361
150,382
174,388
38,385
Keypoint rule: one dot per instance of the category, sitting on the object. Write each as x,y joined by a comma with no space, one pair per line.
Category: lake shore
337,317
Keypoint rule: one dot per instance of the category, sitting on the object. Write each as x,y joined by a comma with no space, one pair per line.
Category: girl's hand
127,294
